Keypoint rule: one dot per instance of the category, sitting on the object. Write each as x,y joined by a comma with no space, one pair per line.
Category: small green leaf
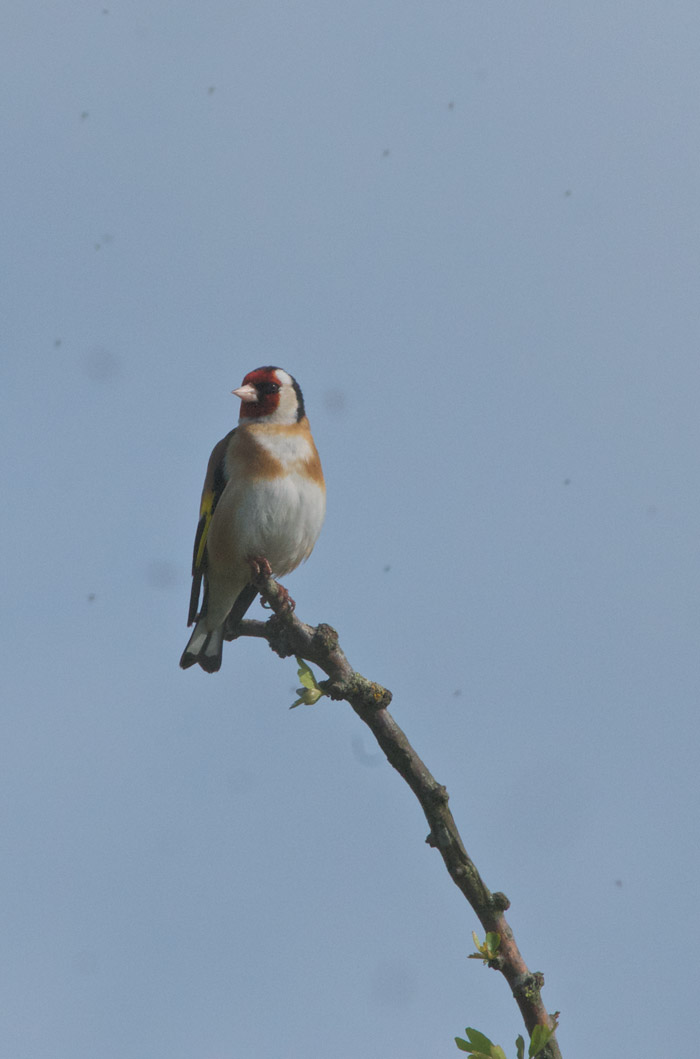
520,1045
540,1037
309,692
487,950
305,674
497,1052
462,1044
534,1042
307,697
493,942
479,1041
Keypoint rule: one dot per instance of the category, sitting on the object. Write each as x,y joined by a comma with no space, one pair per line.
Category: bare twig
287,636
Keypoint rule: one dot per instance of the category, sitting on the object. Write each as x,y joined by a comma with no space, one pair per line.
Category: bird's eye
268,387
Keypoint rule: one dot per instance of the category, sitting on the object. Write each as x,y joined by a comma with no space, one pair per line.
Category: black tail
205,646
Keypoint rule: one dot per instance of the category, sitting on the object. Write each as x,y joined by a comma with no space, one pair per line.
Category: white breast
278,518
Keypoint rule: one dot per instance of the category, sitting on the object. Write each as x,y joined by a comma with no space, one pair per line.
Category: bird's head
271,395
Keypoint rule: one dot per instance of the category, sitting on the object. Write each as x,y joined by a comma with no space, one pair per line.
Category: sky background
471,232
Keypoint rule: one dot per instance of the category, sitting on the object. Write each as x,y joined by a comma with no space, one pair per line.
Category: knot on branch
366,694
279,636
438,796
325,638
441,839
528,986
499,902
334,689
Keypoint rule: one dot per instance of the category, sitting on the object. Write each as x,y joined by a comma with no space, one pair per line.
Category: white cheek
284,377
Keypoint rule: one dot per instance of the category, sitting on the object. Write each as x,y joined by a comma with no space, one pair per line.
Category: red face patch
268,387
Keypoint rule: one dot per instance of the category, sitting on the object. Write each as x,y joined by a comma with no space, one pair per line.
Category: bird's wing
214,485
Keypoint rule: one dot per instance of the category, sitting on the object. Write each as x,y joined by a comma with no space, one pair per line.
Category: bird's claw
287,604
259,565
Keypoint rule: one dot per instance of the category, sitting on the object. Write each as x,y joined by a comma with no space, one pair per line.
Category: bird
263,502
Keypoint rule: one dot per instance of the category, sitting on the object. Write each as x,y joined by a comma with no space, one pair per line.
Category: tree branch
287,636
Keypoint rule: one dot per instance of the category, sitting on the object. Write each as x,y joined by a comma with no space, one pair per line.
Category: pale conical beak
246,393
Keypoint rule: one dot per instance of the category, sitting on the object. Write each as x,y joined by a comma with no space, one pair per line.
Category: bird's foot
259,565
287,604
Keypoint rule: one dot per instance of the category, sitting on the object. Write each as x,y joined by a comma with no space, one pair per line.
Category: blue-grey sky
471,232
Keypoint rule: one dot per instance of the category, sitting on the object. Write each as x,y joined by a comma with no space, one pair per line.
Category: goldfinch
264,498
